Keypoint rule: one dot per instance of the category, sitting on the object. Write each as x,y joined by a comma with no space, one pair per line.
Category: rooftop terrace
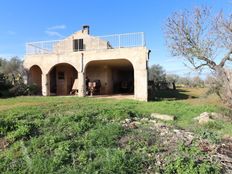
86,43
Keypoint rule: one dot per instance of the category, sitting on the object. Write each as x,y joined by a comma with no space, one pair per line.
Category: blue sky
23,21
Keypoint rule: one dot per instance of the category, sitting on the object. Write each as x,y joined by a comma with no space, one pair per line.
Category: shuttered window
78,45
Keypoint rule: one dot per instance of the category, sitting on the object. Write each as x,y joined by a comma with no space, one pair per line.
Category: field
86,135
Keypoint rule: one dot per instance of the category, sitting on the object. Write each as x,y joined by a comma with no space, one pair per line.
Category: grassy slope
184,110
70,134
178,108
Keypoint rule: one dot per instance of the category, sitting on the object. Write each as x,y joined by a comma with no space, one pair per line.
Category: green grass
109,109
81,135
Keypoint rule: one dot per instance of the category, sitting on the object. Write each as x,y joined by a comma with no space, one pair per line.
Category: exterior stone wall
137,56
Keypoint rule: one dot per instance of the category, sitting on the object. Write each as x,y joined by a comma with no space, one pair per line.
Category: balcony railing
115,41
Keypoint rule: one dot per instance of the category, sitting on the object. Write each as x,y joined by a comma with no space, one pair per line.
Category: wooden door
61,83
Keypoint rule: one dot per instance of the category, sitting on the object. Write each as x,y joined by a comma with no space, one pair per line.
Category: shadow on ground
165,94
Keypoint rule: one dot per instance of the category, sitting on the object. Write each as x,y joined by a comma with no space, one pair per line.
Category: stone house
118,61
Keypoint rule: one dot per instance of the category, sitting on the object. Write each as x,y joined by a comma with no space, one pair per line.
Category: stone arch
115,75
129,60
62,79
35,78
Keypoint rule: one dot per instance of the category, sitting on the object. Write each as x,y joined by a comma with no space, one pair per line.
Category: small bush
214,125
19,89
209,135
190,160
33,90
184,164
104,135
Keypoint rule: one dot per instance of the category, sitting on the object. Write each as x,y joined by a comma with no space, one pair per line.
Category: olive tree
156,73
203,40
12,69
172,78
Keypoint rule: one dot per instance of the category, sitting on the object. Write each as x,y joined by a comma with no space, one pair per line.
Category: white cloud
53,33
57,27
10,32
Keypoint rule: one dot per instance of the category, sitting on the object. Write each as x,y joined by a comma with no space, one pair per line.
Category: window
78,45
61,75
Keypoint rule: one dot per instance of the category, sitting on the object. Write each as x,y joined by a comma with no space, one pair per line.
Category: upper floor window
78,45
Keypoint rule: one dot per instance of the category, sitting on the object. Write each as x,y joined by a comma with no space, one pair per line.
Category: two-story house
118,61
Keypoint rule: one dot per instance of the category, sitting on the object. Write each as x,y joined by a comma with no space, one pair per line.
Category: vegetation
198,36
186,161
156,73
85,135
12,75
164,86
12,69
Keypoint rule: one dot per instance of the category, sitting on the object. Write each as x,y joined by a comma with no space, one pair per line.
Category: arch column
45,80
140,84
81,84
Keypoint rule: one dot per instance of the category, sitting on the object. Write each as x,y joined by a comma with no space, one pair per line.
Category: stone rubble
207,117
204,118
170,138
162,117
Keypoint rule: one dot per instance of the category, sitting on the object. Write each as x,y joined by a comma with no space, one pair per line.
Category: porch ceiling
121,63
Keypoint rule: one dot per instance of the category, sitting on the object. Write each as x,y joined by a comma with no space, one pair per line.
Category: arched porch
116,76
35,78
62,79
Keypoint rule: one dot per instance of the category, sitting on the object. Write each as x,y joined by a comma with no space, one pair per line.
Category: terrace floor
114,96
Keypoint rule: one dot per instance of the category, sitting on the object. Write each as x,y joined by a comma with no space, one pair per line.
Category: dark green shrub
33,90
19,89
190,160
108,161
214,125
6,126
104,135
213,137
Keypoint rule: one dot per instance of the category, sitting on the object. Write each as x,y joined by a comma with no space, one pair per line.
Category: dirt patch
3,144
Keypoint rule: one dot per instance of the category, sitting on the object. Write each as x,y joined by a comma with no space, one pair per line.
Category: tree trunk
174,86
224,77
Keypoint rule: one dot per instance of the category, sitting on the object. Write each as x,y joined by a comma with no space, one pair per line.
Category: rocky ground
168,139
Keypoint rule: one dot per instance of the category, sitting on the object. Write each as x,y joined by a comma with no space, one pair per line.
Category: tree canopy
203,40
156,73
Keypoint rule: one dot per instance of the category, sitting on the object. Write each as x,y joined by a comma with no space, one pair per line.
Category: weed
190,160
209,135
83,135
